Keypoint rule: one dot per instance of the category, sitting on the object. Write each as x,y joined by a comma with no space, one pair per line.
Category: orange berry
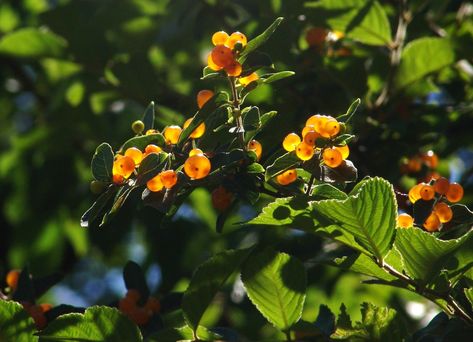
304,151
221,198
332,157
118,179
233,69
287,177
255,146
40,320
45,307
414,164
222,56
427,192
12,279
330,128
311,137
443,211
307,129
133,295
211,64
203,96
155,184
441,185
318,121
291,141
134,154
197,166
405,221
316,36
344,150
432,223
140,315
151,148
454,193
123,166
219,38
414,192
234,38
153,304
126,305
430,159
195,151
172,133
168,178
198,131
244,81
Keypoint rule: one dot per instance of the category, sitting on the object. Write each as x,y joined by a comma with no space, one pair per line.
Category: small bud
138,126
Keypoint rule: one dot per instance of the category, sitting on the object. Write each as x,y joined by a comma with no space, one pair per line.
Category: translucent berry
255,146
139,315
151,148
211,64
197,166
304,151
307,129
195,151
454,193
318,121
133,295
221,198
45,307
344,150
432,223
203,96
244,81
168,178
155,184
118,179
12,279
443,211
315,36
405,221
126,305
234,38
330,128
219,38
414,192
153,304
287,177
233,69
172,133
198,131
138,126
311,137
414,164
427,192
123,166
441,185
222,56
332,157
134,154
291,141
430,159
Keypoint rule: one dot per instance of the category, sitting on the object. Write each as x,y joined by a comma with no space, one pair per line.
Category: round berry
414,192
138,126
134,154
133,295
432,223
318,121
344,150
97,187
168,178
222,56
12,279
427,192
140,315
287,177
430,159
255,146
291,141
454,193
441,186
211,64
221,198
405,221
244,81
330,128
236,37
123,166
315,36
126,305
443,211
197,166
332,157
307,129
233,69
155,184
414,165
172,133
198,131
195,151
304,151
203,96
311,137
151,148
219,38
118,179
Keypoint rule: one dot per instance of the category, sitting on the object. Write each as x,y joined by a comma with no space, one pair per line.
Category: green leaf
260,40
207,280
422,57
255,61
98,323
281,164
251,118
75,93
148,117
98,207
363,264
208,73
265,119
423,254
276,285
142,141
118,203
102,163
32,43
270,78
327,191
150,167
184,333
350,111
364,21
15,323
255,168
25,291
135,279
469,295
369,216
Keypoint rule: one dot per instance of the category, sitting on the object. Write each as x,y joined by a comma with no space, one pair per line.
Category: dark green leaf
15,323
325,320
260,40
281,164
32,43
148,117
142,141
350,112
255,61
270,78
98,207
150,167
265,119
251,118
102,163
134,278
25,291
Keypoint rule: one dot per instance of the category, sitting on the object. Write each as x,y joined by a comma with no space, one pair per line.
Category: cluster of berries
316,127
441,191
139,314
414,164
196,166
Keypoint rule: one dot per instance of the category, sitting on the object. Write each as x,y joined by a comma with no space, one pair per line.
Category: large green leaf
361,263
276,284
207,280
32,43
98,323
281,164
369,216
423,254
260,40
364,21
422,57
102,163
15,323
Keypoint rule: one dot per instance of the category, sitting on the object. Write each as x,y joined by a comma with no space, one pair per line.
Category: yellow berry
211,64
168,178
304,151
344,150
12,279
330,128
414,192
151,148
306,130
198,131
134,154
195,151
197,167
332,157
287,177
432,223
203,96
236,37
123,166
311,137
219,38
244,81
254,145
221,198
443,211
172,133
155,184
291,141
405,221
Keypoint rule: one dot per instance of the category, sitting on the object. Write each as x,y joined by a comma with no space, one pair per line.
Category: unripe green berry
138,126
343,128
97,187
